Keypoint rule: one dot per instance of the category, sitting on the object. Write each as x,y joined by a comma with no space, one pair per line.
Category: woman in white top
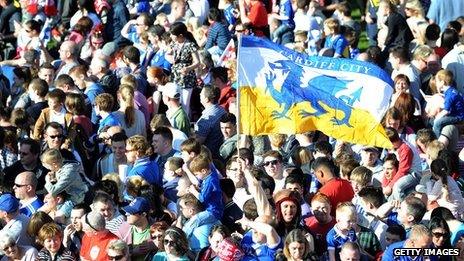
85,9
443,189
131,119
14,252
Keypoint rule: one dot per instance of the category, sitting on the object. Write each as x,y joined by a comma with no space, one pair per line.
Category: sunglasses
168,242
438,234
56,136
157,236
271,162
119,257
20,185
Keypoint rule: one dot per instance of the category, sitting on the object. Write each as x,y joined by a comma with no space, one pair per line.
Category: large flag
282,91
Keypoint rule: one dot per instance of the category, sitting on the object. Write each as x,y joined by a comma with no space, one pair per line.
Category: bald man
68,56
24,187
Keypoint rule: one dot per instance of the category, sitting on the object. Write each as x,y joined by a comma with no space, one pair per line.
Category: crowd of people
118,134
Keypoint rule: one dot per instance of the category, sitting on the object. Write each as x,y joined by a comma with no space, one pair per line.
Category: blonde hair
135,184
433,148
277,140
130,80
139,144
52,156
119,245
446,76
126,93
49,230
333,25
416,6
361,175
345,208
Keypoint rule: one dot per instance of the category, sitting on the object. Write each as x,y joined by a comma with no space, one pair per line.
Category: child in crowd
210,194
104,104
343,231
172,173
334,40
360,178
453,109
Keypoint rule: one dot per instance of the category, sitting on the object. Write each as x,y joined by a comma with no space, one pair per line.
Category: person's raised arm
262,203
272,238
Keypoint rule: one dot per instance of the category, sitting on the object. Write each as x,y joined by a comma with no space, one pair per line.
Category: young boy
210,194
321,223
172,173
453,109
55,112
103,107
343,231
334,39
360,178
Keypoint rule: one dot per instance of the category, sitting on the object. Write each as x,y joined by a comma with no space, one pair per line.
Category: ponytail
126,93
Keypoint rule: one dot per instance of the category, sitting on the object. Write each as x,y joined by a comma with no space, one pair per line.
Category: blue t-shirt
159,60
454,103
110,120
211,194
286,10
335,239
147,169
338,43
229,15
31,208
260,251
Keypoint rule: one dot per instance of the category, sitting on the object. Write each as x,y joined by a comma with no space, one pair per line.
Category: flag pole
239,39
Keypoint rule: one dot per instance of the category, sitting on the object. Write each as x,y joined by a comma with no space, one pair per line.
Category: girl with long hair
132,119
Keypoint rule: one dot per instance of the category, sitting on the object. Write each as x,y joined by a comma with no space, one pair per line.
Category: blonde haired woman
131,119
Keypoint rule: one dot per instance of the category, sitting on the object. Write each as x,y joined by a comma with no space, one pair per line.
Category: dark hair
267,182
228,117
415,208
119,136
375,55
392,134
439,168
392,157
455,25
247,154
451,158
57,94
323,147
400,52
215,15
449,38
221,73
373,195
323,162
165,132
64,79
439,222
179,28
33,25
83,206
228,187
442,212
33,144
250,210
398,230
432,32
132,54
107,186
157,30
295,179
211,93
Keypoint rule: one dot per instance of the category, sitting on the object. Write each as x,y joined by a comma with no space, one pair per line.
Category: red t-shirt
226,96
95,247
337,190
258,17
319,231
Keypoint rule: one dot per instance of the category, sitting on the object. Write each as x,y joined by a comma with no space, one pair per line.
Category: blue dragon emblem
294,91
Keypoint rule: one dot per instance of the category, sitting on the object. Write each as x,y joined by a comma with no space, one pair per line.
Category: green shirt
138,238
180,121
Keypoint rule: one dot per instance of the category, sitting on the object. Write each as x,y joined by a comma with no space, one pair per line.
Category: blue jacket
148,170
211,194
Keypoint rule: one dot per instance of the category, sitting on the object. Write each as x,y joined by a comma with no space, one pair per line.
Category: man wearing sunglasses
24,189
274,167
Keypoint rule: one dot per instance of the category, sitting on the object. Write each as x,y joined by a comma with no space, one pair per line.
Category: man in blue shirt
136,153
103,107
420,237
24,189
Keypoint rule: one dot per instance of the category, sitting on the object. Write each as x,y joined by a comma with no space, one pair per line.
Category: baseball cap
138,205
8,203
171,90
